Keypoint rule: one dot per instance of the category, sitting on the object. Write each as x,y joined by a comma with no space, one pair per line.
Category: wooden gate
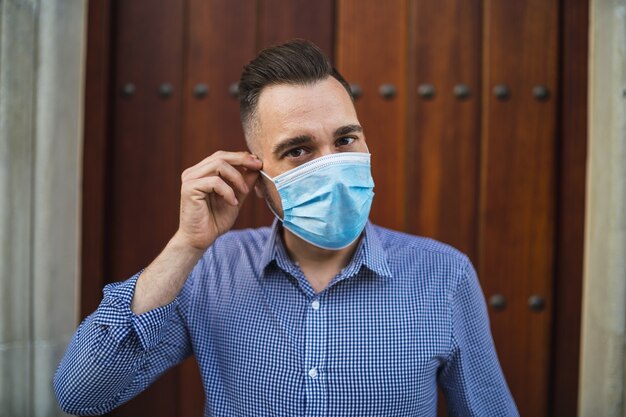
474,110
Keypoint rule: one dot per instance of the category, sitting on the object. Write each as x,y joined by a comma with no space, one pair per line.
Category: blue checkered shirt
406,314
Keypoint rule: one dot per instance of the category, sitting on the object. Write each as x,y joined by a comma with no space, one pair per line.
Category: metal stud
497,302
356,91
541,92
166,90
501,92
387,91
128,90
200,91
426,91
536,303
233,90
462,91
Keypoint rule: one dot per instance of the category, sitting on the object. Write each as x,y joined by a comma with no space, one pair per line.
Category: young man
321,314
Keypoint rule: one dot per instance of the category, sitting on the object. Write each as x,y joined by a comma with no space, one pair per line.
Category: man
321,314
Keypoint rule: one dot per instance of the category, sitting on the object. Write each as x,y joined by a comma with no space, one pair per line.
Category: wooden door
467,108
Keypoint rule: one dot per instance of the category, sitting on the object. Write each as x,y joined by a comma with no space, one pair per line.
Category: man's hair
297,62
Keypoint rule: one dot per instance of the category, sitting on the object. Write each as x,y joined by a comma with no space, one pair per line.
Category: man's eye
294,153
345,141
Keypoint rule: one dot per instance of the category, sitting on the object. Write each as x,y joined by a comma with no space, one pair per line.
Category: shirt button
315,305
313,373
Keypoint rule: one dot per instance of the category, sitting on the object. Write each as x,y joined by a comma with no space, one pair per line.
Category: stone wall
603,365
41,100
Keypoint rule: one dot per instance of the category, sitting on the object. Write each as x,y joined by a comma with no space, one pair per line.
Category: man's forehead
300,100
289,110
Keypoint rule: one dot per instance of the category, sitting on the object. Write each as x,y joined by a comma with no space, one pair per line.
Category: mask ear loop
266,176
267,199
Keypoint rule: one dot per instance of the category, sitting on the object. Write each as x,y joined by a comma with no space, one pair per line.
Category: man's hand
210,198
212,193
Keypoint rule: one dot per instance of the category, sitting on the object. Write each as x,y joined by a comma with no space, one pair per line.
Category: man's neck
318,265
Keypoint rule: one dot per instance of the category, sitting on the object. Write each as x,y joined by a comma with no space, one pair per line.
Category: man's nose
328,150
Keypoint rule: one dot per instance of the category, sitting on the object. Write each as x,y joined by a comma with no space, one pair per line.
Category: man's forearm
114,354
164,278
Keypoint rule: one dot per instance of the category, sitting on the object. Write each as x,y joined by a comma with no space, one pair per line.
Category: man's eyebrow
282,146
344,130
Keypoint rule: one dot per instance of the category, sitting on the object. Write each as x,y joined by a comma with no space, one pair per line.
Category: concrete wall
603,365
41,97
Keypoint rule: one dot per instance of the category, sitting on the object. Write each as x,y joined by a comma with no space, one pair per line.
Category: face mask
327,201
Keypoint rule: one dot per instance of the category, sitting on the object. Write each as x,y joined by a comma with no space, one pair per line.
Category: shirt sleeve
472,380
115,354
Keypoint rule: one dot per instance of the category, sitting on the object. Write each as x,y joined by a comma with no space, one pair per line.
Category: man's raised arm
138,331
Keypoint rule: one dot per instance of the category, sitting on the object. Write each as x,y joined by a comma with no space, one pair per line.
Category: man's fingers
239,159
226,172
222,173
250,178
200,188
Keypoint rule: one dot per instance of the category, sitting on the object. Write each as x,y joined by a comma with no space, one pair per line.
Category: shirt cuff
114,310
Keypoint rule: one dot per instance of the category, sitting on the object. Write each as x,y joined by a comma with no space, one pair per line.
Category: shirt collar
373,252
268,255
369,253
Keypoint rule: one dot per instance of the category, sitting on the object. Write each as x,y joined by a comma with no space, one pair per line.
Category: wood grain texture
444,138
570,219
443,141
95,154
517,207
282,20
146,172
371,51
221,39
145,182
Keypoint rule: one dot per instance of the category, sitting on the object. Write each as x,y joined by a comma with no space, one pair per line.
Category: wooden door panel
146,127
570,218
282,20
518,188
370,52
142,204
96,144
221,38
477,172
443,142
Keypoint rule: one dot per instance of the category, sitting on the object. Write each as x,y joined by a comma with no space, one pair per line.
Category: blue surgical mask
327,201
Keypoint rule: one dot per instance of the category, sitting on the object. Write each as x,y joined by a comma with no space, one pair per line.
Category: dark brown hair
297,62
